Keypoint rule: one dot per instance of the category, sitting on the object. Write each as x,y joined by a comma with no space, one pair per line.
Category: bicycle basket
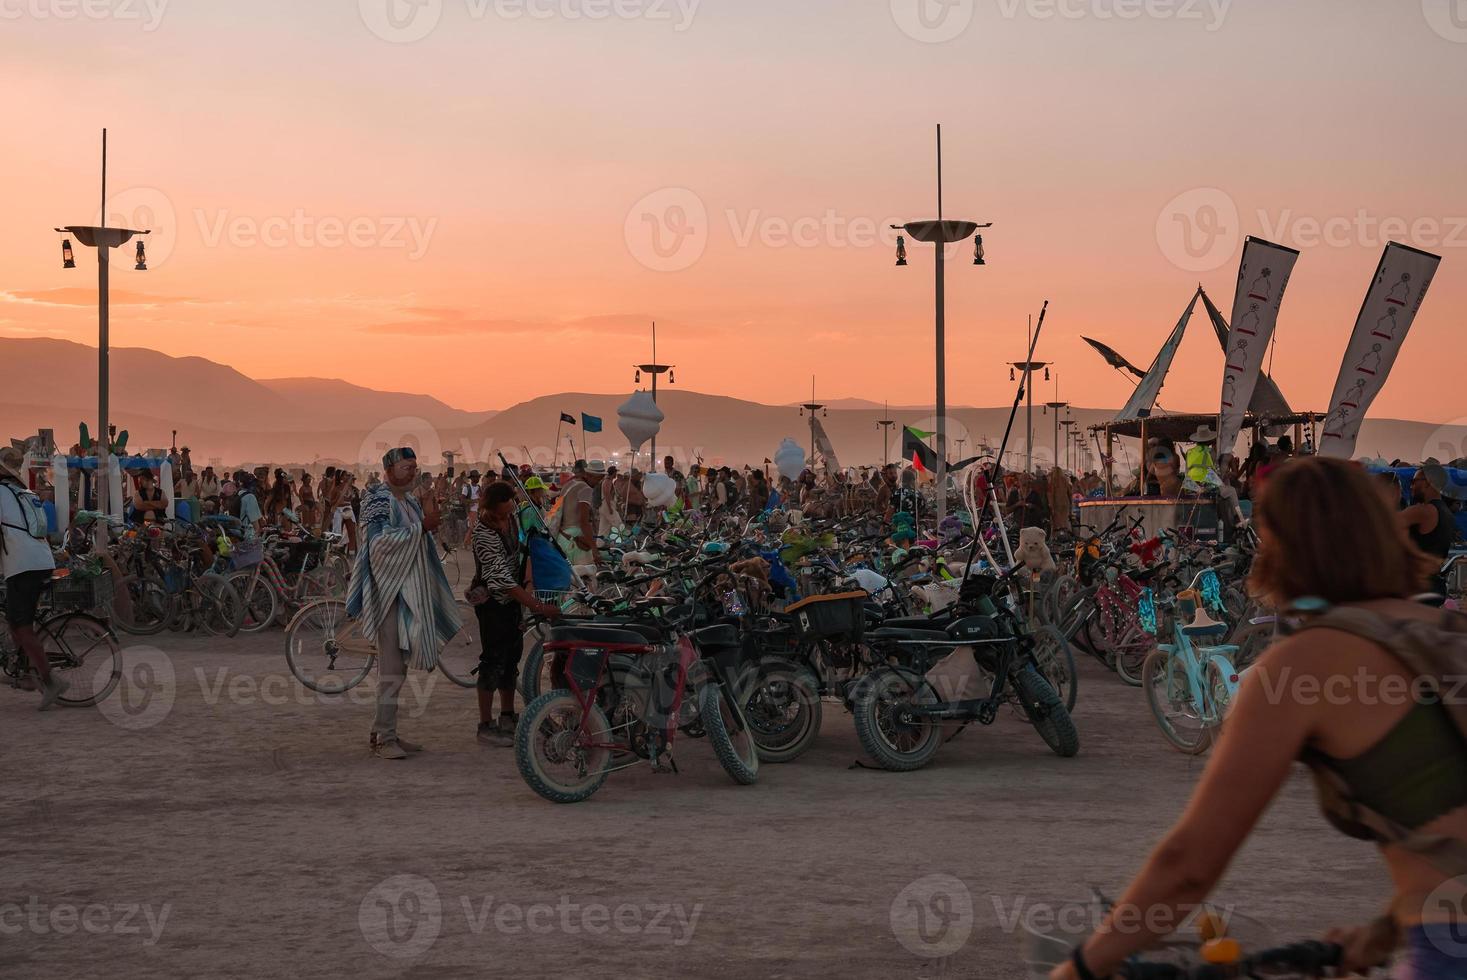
565,600
247,554
82,592
842,614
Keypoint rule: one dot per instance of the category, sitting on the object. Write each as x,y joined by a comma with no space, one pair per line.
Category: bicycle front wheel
83,650
1057,663
325,648
1177,713
148,608
260,600
221,611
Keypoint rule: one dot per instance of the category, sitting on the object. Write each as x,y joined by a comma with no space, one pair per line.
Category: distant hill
866,403
340,403
222,414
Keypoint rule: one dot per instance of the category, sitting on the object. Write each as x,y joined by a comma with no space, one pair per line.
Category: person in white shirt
471,491
26,563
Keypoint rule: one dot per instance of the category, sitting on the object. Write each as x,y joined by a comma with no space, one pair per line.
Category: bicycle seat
621,634
721,635
1204,625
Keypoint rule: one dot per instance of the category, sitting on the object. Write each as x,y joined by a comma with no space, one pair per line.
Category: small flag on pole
590,423
922,456
567,419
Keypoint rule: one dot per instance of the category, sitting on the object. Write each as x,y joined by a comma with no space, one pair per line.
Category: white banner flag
1262,279
1146,393
1390,306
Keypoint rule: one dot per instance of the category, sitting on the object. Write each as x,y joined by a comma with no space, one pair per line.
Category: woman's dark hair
1328,534
497,493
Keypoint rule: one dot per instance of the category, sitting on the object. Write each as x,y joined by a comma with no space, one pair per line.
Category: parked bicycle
79,647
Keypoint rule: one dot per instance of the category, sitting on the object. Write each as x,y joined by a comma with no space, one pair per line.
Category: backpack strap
1419,645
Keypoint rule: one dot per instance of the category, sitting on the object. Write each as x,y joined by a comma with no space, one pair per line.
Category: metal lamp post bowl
941,233
103,239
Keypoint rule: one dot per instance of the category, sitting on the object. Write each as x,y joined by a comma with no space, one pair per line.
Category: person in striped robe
399,592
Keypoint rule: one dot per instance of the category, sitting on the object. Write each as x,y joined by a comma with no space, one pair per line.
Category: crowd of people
1364,546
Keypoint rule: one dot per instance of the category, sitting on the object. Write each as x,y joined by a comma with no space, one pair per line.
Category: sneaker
407,746
52,690
388,749
488,733
507,726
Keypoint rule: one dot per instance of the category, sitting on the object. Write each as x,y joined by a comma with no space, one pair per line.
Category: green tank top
1413,775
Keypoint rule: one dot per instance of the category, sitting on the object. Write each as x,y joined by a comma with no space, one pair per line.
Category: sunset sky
498,209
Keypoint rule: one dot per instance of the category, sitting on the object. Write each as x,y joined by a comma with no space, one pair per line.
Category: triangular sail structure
1267,398
1144,397
823,446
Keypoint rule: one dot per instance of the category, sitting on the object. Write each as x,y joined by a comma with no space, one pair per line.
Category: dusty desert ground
214,819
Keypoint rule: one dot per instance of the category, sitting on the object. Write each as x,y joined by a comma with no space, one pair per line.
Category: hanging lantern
1046,374
142,257
671,376
978,250
1011,373
901,250
68,260
639,376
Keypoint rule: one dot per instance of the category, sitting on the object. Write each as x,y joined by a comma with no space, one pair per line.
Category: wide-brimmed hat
12,461
1204,434
595,467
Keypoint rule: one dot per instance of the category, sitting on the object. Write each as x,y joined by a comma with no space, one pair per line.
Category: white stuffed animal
1033,552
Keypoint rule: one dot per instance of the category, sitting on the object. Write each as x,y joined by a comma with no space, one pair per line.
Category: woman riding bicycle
1392,768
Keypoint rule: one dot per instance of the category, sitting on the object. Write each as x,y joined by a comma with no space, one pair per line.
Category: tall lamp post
1070,460
941,233
886,425
656,370
104,240
1030,368
814,408
1056,407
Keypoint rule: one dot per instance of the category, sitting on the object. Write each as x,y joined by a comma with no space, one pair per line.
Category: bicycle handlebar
1311,958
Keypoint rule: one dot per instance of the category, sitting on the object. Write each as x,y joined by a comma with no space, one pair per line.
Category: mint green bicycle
1188,683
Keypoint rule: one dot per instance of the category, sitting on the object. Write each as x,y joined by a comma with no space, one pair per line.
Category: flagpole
997,478
559,424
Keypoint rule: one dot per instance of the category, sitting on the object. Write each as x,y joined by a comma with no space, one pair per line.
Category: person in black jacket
500,582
